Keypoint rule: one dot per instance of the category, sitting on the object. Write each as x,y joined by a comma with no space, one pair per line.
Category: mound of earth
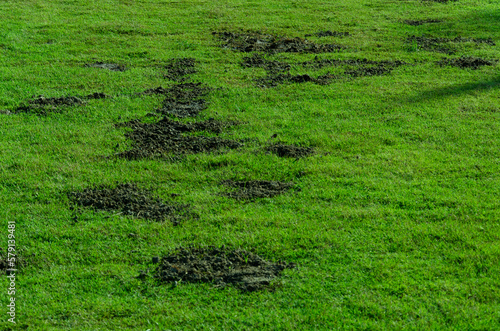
182,100
257,42
251,190
178,69
444,45
130,200
328,33
258,61
467,62
220,266
109,66
42,105
282,150
150,140
421,22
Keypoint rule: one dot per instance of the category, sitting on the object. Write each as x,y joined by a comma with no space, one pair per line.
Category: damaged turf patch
153,140
444,45
258,61
221,266
328,33
42,105
109,66
465,62
128,199
421,22
178,69
257,42
251,190
293,151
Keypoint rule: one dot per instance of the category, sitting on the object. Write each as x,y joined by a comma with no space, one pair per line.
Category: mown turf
392,222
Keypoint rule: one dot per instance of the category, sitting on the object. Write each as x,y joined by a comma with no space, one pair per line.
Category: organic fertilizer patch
220,266
328,33
179,69
128,199
42,105
258,42
153,140
444,45
467,62
258,61
251,190
282,150
109,66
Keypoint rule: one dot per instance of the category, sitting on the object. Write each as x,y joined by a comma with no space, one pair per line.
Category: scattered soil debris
290,150
182,100
131,200
221,266
151,140
109,66
251,190
421,22
274,80
321,63
42,105
178,69
440,1
257,42
258,61
467,62
328,33
445,45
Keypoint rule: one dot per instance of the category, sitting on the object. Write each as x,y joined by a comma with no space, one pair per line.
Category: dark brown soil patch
467,62
444,45
130,200
42,105
182,100
328,33
321,63
274,80
109,66
220,266
421,22
152,140
258,61
251,190
178,69
257,42
290,150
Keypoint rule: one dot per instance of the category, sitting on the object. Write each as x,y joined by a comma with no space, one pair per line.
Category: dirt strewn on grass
128,199
220,266
42,105
467,62
251,190
258,42
109,66
421,22
328,33
258,61
152,140
444,45
178,69
282,150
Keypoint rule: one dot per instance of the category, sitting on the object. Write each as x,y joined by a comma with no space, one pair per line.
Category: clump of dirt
178,69
152,140
282,150
42,105
109,66
251,190
258,61
421,22
182,100
444,45
221,266
467,62
328,33
257,42
131,200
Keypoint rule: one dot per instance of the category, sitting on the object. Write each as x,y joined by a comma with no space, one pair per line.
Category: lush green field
394,222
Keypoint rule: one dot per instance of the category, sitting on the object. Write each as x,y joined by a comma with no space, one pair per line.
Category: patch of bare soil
258,61
421,22
42,105
328,33
293,151
467,62
182,100
178,69
444,45
257,42
251,190
221,266
109,66
153,140
128,199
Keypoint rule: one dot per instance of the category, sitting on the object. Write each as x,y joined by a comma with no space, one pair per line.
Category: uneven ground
251,165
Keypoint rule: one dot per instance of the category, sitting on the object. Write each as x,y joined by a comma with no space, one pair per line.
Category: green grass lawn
394,222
